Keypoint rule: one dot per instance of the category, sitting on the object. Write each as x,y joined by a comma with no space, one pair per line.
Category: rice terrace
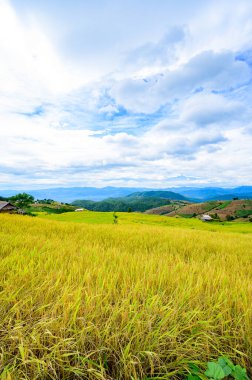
125,190
141,299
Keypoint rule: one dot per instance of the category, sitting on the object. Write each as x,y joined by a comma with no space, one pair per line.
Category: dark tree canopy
22,200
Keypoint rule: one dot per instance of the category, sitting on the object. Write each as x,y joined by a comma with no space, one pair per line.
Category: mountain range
97,194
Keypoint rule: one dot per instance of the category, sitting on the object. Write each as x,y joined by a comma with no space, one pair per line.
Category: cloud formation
151,106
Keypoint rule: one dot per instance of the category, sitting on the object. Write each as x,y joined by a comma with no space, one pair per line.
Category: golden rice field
130,301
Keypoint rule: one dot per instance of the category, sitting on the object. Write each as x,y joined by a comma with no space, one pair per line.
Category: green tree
229,218
215,216
22,200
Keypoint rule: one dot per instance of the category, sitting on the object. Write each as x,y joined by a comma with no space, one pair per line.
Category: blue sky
133,93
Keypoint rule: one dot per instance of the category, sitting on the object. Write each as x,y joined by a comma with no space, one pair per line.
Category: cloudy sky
153,93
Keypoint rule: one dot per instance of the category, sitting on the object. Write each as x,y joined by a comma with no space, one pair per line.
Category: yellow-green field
139,300
92,217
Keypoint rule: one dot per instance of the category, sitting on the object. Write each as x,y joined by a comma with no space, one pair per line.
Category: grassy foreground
130,301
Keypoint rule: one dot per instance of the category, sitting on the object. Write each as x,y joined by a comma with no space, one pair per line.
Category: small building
206,218
79,209
7,207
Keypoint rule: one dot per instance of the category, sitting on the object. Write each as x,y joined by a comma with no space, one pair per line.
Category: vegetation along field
150,297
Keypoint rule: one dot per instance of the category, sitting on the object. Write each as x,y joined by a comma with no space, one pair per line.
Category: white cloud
170,100
212,71
30,69
158,54
108,109
207,108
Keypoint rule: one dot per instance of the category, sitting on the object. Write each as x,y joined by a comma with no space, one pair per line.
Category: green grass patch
224,205
186,215
243,213
211,205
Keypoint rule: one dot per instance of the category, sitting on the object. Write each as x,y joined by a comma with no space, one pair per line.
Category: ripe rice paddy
139,300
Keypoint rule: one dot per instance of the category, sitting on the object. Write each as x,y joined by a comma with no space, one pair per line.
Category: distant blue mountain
158,194
71,194
211,193
227,197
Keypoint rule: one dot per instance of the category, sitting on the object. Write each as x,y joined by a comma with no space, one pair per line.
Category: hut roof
4,204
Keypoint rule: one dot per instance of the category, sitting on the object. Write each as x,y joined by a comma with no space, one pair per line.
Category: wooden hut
7,207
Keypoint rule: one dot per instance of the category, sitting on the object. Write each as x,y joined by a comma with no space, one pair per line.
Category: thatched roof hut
7,207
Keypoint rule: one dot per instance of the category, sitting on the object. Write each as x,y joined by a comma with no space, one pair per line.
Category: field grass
94,217
139,300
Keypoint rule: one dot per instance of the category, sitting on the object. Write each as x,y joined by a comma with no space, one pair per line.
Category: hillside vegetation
51,207
139,201
158,194
130,301
132,203
235,209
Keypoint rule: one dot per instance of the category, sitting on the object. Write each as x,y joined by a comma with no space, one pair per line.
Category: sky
125,93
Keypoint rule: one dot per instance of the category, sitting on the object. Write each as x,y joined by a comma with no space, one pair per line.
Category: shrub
229,218
222,369
115,218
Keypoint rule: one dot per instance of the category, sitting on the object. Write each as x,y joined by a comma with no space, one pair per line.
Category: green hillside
132,203
50,207
138,201
158,194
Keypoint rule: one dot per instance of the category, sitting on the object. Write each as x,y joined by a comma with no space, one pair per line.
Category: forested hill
158,194
138,203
